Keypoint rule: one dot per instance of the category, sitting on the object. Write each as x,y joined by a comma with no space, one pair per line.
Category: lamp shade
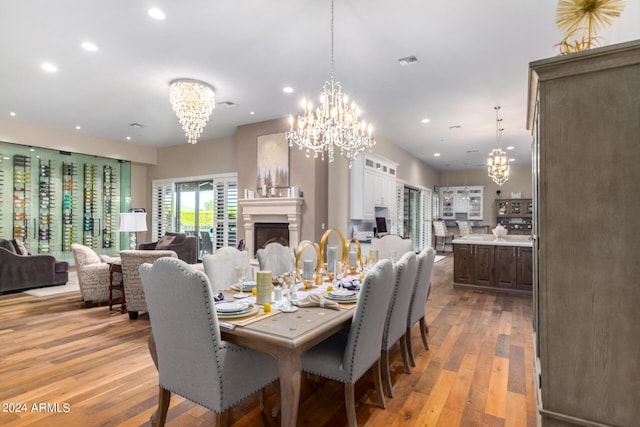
133,221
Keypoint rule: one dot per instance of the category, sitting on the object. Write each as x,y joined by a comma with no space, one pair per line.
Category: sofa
186,247
131,262
21,271
93,275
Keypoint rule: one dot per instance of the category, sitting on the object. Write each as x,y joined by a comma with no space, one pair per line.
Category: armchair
133,291
21,272
93,275
185,247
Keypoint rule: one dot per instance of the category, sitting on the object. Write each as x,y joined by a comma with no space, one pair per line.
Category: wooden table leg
289,368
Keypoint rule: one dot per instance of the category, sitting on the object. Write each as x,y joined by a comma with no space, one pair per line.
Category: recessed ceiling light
47,66
512,160
77,127
251,112
32,149
89,46
12,114
287,89
436,154
128,138
425,120
511,147
156,13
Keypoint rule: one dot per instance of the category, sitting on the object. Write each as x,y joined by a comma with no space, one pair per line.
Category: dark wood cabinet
483,262
463,264
515,215
505,261
524,274
497,267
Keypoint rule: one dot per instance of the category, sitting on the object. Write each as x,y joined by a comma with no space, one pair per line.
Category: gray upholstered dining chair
418,309
395,327
193,360
220,267
347,357
275,258
390,244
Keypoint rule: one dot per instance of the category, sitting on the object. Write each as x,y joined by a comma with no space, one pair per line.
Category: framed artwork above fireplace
273,161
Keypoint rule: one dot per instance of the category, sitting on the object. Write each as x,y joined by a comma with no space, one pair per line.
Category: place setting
235,309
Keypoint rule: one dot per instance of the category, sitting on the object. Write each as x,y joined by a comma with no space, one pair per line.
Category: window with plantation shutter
225,211
162,208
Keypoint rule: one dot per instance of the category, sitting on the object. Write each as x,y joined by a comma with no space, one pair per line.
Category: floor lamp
132,222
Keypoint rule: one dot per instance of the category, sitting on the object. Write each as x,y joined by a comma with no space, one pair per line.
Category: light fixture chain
332,63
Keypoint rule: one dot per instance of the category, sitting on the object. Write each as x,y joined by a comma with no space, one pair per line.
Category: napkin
315,300
351,285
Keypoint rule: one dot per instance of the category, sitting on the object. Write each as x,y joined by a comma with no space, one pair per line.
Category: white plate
232,307
246,286
351,298
253,310
341,293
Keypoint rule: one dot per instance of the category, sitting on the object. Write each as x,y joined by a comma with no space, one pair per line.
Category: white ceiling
472,56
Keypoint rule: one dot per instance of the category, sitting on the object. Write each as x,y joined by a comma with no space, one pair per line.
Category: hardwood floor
95,366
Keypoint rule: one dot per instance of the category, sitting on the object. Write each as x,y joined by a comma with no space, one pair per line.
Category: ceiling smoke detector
408,60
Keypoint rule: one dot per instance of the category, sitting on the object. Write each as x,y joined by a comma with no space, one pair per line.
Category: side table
116,267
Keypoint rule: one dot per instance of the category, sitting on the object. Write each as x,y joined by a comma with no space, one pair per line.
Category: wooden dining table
286,336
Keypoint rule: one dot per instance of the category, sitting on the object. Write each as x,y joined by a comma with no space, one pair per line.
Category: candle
263,287
353,259
331,259
307,269
264,189
273,191
373,255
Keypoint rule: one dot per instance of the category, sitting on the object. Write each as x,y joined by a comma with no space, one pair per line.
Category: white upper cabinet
458,205
373,184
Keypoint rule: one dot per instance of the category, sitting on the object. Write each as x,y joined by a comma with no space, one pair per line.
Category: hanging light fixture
447,194
334,124
193,101
465,192
498,163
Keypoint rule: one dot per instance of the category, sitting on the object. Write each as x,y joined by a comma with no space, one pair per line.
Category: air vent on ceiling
408,60
227,104
136,125
481,165
472,151
455,127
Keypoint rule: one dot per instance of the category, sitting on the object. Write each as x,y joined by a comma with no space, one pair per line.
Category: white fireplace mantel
276,209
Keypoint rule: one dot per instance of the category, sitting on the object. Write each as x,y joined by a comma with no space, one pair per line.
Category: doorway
194,213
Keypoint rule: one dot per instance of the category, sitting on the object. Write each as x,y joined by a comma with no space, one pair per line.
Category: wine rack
90,213
21,197
69,190
45,205
108,214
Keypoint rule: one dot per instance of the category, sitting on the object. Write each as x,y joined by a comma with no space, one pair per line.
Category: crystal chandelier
447,195
334,124
465,192
497,163
193,101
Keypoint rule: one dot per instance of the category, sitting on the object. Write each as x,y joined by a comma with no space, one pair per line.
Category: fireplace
282,215
269,232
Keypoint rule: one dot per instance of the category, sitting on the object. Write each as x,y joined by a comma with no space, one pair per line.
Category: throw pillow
21,248
105,258
164,242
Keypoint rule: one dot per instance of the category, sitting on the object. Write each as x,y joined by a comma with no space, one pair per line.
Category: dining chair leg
423,333
407,336
222,419
164,397
350,404
378,383
386,375
405,356
261,399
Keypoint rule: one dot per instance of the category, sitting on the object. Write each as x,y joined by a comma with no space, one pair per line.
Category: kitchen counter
490,239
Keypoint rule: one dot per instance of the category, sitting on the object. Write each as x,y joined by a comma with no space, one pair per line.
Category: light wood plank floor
95,366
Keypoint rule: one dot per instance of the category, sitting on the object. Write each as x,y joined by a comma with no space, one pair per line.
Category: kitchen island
483,261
